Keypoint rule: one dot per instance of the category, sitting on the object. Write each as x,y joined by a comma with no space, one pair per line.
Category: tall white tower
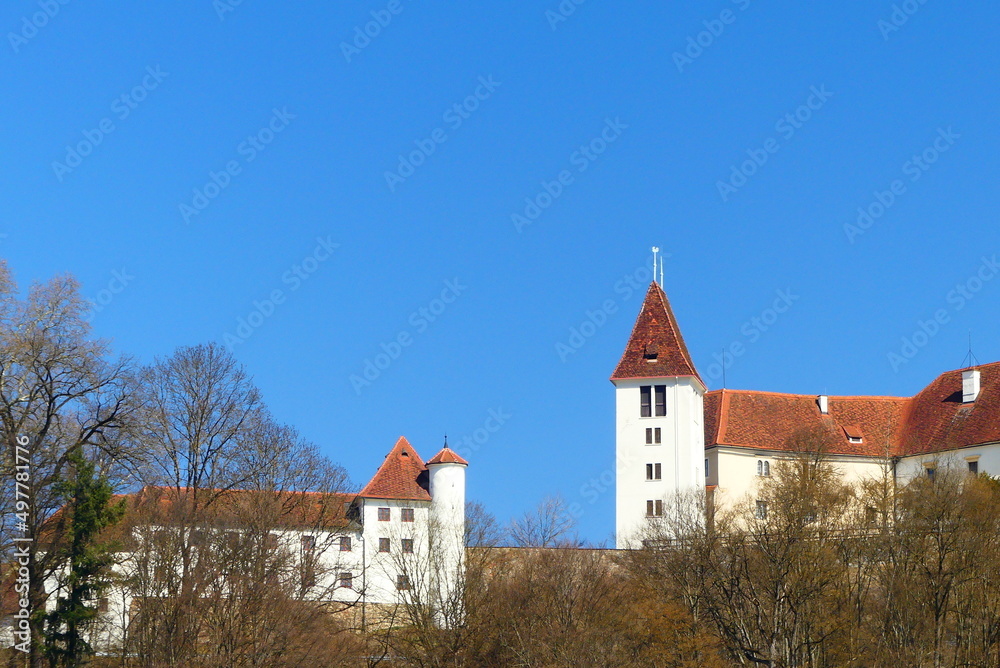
446,473
659,413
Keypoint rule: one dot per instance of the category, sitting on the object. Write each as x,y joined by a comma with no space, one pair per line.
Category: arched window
767,468
760,467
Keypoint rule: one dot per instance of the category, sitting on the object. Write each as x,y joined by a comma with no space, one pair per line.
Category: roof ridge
723,418
813,396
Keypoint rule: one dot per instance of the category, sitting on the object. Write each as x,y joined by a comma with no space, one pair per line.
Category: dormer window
650,352
853,433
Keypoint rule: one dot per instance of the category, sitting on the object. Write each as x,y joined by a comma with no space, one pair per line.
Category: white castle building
675,436
400,540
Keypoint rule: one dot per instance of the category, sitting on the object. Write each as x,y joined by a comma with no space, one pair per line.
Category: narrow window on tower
645,408
649,471
656,435
661,400
654,472
649,435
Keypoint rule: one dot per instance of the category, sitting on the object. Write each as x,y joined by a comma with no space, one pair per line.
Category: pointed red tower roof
656,348
447,456
402,475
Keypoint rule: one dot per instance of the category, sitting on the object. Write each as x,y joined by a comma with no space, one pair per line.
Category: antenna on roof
973,360
656,249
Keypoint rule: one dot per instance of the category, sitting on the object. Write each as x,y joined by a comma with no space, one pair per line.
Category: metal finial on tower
656,249
446,440
973,361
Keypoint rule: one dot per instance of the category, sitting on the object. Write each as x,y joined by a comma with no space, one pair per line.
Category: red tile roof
932,421
402,475
287,509
447,456
656,348
938,420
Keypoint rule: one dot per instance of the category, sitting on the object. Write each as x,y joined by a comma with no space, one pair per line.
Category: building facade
399,541
673,435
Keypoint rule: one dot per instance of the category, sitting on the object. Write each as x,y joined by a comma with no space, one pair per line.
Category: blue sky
204,151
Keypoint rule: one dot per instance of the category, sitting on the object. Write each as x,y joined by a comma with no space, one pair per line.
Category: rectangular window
271,542
706,468
654,508
645,401
661,400
383,515
930,472
407,544
345,543
346,580
649,435
656,436
762,510
383,544
402,582
102,605
308,543
406,514
974,467
653,472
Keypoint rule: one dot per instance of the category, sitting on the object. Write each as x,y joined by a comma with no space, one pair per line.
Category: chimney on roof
824,404
970,385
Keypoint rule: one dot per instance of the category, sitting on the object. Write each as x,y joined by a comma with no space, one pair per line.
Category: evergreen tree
88,508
